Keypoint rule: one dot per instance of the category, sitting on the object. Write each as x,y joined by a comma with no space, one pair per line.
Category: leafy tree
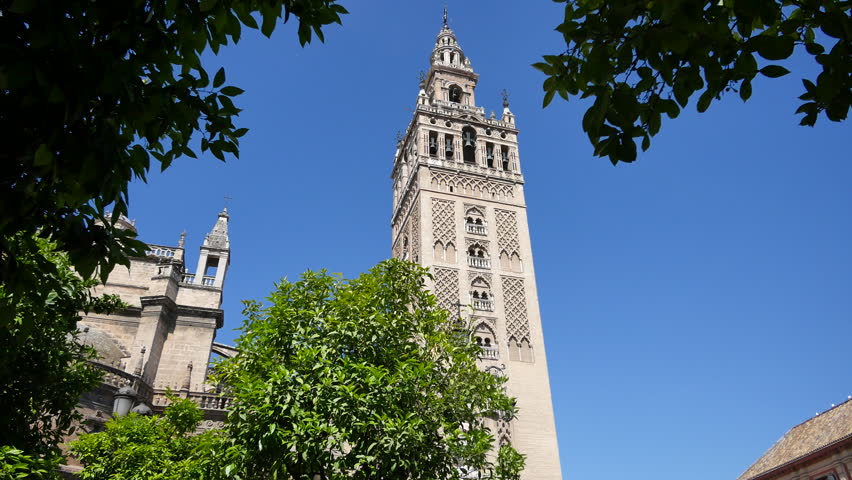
91,90
151,448
43,370
641,59
15,464
359,379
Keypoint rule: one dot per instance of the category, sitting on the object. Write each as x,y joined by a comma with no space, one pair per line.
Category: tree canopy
361,379
43,369
151,448
92,91
642,59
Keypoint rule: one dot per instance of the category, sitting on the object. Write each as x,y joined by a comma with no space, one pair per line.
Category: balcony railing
188,278
489,353
479,304
208,281
207,401
476,229
165,252
479,262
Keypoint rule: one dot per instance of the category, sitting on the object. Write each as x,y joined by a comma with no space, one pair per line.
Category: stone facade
164,339
458,208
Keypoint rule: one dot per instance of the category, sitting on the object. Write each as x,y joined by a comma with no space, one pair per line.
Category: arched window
439,252
474,222
505,262
526,351
480,295
469,144
450,256
484,337
516,262
455,94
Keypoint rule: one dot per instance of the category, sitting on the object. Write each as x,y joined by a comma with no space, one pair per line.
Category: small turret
214,258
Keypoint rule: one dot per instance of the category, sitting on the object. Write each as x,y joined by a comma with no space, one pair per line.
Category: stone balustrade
162,252
476,229
117,378
479,262
205,401
489,353
188,278
208,281
485,305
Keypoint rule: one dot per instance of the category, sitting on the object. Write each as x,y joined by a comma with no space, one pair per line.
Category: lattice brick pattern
447,287
474,186
414,221
507,231
514,298
475,241
444,221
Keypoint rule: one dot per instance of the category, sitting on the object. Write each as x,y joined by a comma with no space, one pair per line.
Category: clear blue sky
696,304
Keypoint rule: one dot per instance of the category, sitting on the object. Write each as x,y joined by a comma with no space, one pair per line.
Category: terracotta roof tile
808,437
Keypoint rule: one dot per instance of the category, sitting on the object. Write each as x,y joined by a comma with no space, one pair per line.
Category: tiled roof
823,430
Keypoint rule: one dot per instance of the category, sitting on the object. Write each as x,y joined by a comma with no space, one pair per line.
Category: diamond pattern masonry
447,287
444,221
514,296
507,231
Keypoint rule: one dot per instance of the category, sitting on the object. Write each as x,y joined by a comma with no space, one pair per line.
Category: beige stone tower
458,208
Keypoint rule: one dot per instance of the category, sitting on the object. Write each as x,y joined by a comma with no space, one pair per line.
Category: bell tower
459,209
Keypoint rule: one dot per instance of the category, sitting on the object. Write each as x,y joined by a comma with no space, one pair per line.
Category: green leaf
745,89
219,79
773,48
704,100
231,91
548,97
774,71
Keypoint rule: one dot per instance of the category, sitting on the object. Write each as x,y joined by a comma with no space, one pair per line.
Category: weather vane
445,15
505,94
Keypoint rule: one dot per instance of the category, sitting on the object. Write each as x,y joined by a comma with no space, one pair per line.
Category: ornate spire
447,51
218,237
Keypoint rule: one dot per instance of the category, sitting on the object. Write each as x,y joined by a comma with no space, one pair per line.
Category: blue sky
696,304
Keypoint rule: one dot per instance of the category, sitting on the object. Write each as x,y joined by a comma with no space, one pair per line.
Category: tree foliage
43,370
92,91
642,59
151,448
17,465
359,379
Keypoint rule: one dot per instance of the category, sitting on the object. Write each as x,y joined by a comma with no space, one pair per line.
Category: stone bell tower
459,209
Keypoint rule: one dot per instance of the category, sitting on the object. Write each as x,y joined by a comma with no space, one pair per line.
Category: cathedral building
459,209
165,336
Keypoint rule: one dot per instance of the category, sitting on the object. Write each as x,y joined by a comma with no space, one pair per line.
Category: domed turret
447,51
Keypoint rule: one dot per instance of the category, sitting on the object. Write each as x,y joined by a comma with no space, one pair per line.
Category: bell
449,147
468,140
433,143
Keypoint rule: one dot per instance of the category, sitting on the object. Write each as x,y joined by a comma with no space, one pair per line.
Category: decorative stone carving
447,287
471,276
507,231
476,241
444,221
473,185
515,308
414,225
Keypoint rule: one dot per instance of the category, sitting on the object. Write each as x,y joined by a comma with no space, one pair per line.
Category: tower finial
445,15
505,94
